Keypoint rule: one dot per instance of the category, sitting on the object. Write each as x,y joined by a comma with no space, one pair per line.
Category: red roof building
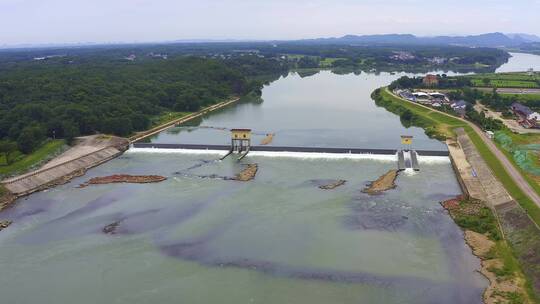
431,80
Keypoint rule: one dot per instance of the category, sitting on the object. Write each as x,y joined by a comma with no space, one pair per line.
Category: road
511,90
508,166
181,120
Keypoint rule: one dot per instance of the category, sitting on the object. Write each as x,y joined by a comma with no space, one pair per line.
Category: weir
289,149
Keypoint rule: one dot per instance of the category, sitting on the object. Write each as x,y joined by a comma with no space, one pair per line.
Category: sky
103,21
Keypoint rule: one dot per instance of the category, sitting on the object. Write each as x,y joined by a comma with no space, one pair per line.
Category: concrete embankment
479,183
89,152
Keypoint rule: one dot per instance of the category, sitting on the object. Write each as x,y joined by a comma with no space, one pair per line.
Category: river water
201,238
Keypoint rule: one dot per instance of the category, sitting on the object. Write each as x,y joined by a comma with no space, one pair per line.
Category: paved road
508,166
512,90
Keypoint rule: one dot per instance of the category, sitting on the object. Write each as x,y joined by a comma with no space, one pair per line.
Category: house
534,116
460,104
431,80
460,107
422,97
407,95
526,117
439,97
521,110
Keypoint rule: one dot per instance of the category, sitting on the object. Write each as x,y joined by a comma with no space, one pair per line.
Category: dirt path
509,123
181,120
516,176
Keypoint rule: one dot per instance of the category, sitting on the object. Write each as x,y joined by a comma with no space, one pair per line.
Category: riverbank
88,152
480,180
481,232
160,128
444,126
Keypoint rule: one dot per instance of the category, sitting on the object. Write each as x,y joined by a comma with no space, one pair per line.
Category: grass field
166,117
28,161
498,83
522,97
506,80
327,62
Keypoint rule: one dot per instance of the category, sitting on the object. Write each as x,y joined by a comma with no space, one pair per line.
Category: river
200,238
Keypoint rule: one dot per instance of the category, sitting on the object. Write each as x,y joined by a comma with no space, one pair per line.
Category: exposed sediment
383,183
333,185
111,228
6,198
124,178
247,174
500,286
268,139
4,224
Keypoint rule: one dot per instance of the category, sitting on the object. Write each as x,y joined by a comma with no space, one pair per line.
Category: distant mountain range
483,40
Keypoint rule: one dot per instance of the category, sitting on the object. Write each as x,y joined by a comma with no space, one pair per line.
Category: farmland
506,80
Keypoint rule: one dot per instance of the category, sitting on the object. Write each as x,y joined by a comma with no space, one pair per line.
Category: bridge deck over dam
288,149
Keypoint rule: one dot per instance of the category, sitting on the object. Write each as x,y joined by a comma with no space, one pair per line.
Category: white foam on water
175,151
409,172
433,160
316,155
299,155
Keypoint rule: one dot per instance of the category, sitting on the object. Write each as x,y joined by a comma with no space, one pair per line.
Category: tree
30,138
7,148
120,126
486,81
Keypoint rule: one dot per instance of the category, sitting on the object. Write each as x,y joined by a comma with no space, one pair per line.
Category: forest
60,98
65,92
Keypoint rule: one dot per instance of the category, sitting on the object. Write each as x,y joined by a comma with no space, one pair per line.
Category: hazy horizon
32,22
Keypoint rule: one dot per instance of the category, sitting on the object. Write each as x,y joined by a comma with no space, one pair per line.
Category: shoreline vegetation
520,246
507,284
84,93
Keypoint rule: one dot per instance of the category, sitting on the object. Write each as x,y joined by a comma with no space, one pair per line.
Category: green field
28,161
522,97
167,117
327,62
506,80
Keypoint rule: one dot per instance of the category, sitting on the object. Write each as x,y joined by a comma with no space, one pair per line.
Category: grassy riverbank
441,126
522,240
32,160
508,284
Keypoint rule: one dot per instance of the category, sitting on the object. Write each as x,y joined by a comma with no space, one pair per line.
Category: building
460,104
240,140
407,95
521,110
460,107
431,80
526,117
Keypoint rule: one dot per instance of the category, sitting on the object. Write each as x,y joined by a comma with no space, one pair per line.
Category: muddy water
277,239
323,110
199,237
